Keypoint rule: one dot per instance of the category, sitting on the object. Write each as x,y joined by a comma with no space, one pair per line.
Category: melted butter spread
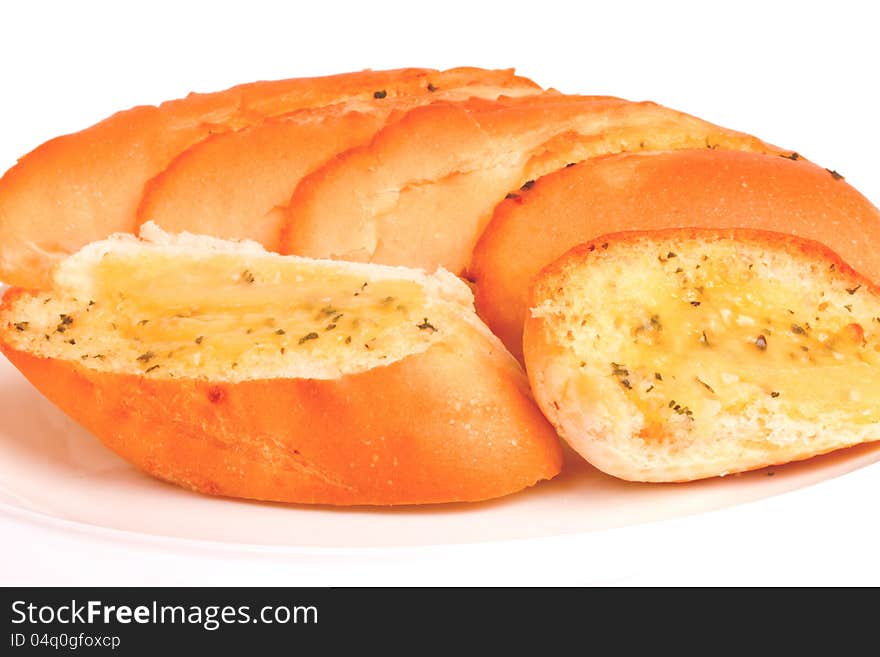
163,314
170,284
711,336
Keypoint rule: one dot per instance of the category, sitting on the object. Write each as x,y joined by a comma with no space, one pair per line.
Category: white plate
71,512
51,468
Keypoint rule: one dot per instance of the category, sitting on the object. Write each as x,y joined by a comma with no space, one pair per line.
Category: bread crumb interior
706,339
228,316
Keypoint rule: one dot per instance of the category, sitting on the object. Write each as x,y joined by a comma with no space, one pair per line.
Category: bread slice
84,186
232,371
687,353
238,184
642,191
422,191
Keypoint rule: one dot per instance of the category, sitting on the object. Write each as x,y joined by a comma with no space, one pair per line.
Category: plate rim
231,547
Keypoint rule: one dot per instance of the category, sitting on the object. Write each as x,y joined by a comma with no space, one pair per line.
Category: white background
798,74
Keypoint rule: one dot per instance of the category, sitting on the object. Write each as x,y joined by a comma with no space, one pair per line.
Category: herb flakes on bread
232,371
682,354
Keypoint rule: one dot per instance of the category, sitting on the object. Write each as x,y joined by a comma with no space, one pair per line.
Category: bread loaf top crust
83,187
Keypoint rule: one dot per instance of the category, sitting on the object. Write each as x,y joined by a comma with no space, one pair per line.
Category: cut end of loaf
187,306
232,371
692,353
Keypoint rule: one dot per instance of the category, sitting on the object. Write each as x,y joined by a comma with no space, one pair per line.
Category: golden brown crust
422,191
454,423
237,184
711,188
566,405
229,185
82,187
